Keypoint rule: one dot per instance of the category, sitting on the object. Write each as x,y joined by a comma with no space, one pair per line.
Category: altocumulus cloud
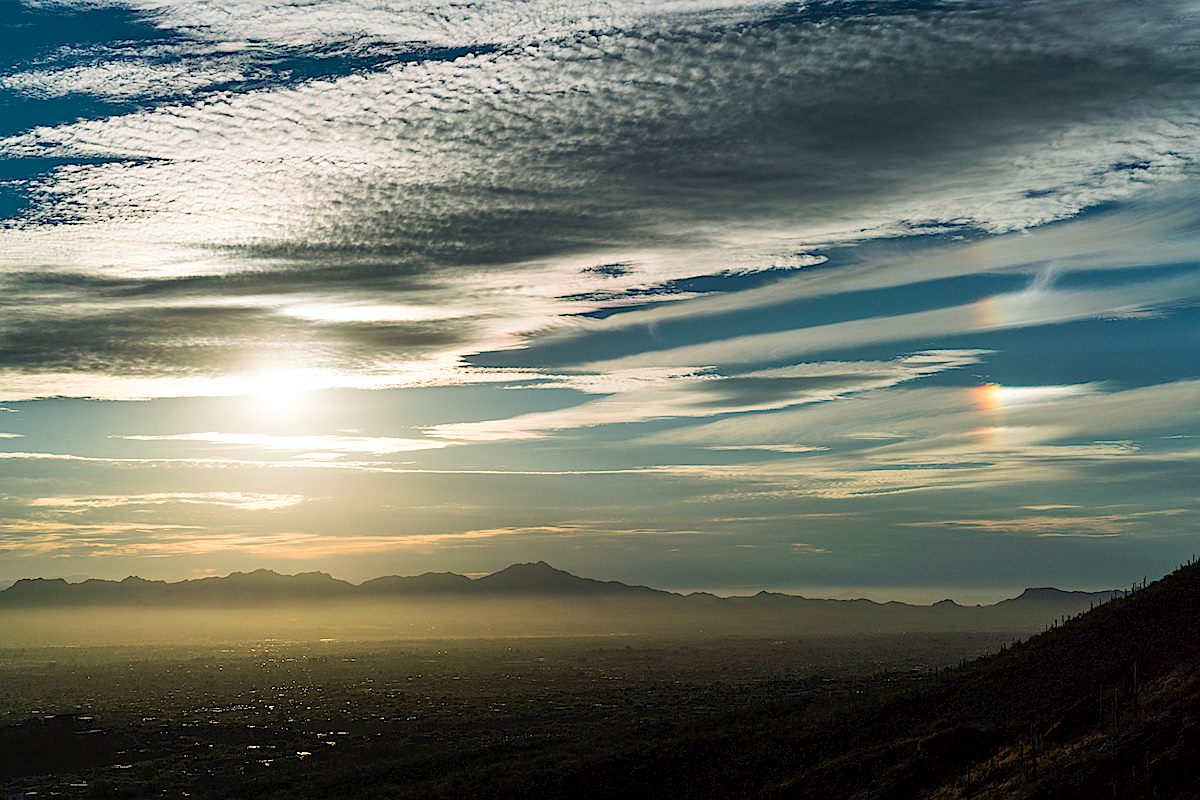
188,239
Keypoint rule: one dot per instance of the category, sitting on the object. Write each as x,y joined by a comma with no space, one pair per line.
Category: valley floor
415,719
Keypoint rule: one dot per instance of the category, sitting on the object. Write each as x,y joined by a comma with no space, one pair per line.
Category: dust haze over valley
536,681
523,600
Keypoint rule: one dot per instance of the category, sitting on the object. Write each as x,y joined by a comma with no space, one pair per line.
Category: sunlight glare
280,393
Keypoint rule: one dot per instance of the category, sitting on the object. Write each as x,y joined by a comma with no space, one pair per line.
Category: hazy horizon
914,595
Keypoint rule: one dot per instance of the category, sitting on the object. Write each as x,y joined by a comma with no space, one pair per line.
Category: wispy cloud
983,417
306,461
1034,307
333,444
1059,526
947,439
1156,230
638,395
243,501
25,537
45,538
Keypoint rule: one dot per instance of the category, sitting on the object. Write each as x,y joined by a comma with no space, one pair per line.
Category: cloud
638,395
242,501
256,380
1059,526
984,413
1050,507
123,80
948,438
183,241
726,250
1155,230
369,445
306,461
436,22
833,481
42,538
124,539
1032,307
770,448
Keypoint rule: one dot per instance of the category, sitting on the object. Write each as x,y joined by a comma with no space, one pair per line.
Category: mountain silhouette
539,598
427,583
541,578
259,586
532,579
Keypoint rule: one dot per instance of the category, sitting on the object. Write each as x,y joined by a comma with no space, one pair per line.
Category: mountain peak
538,577
27,582
262,574
1040,593
531,568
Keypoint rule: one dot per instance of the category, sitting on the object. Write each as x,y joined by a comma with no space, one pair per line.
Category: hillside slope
1105,705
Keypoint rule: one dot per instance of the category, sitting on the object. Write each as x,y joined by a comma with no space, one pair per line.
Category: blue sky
895,299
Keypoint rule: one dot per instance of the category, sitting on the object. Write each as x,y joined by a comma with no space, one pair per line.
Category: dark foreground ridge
1104,705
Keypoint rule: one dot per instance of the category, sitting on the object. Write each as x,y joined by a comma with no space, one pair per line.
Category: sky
845,297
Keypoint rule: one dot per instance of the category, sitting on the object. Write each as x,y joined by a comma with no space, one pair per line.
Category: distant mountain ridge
526,580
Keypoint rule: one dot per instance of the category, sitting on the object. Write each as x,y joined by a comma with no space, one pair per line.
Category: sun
279,393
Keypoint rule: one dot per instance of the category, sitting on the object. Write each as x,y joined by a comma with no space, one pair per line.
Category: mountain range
265,586
541,599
